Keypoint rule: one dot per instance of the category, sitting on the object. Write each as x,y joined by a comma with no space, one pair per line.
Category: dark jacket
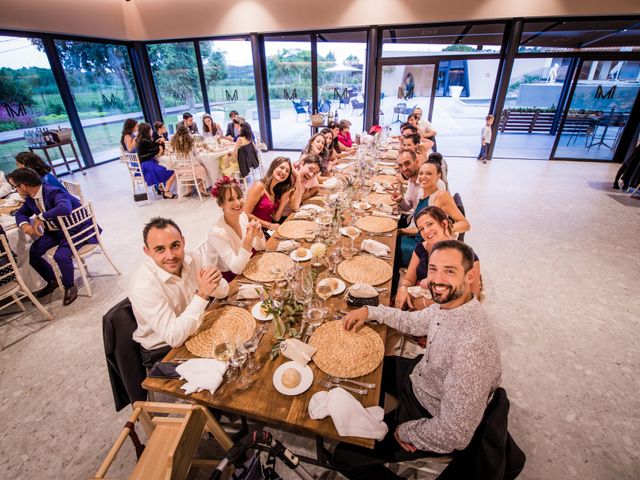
148,149
124,361
247,158
492,454
57,203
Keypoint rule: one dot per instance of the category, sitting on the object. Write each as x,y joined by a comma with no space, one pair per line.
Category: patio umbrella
342,69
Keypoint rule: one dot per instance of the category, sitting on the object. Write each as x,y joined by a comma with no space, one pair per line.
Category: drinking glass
323,288
335,259
237,359
315,314
353,233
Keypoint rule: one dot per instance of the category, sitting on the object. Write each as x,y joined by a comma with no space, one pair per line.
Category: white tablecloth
20,243
210,161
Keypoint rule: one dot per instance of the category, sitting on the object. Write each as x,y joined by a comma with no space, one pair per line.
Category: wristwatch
204,296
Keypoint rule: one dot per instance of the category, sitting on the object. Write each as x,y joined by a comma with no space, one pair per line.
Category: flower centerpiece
281,305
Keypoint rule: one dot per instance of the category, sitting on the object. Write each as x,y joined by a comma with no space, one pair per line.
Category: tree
458,48
215,65
175,71
352,60
13,90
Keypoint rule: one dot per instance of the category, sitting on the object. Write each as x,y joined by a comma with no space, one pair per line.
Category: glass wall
341,75
29,97
599,109
289,83
104,91
532,108
175,73
228,70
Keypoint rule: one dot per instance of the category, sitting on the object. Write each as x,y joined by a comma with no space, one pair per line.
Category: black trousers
356,462
149,357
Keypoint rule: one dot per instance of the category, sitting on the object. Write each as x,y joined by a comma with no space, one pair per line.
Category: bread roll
291,378
301,252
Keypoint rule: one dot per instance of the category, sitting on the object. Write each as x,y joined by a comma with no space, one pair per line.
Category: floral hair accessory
225,180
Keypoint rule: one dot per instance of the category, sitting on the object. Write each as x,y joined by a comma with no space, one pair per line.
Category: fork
328,384
355,382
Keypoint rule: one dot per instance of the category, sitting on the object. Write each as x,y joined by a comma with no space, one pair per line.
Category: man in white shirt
170,291
424,124
408,165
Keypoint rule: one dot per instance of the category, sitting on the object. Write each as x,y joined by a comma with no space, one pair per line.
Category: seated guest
344,136
182,144
330,156
170,291
209,127
407,129
154,173
128,137
428,176
34,162
46,203
306,171
438,158
233,128
442,396
424,125
187,121
408,165
230,164
413,120
335,145
160,134
412,142
5,187
434,226
234,238
267,198
317,145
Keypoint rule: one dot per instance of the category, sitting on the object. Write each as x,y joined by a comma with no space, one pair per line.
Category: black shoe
70,295
49,288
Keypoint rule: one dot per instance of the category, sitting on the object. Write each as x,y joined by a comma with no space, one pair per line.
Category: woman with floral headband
233,239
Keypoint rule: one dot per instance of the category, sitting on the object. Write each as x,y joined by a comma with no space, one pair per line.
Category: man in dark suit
45,203
230,126
187,121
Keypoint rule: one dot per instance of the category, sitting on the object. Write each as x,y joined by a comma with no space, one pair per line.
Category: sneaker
48,289
70,295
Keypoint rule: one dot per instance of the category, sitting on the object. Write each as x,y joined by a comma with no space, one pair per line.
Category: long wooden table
261,401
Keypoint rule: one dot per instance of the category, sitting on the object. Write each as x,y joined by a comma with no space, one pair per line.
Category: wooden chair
74,189
78,227
15,286
172,440
134,167
184,168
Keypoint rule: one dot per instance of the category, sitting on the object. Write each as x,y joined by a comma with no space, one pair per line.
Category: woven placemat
376,224
219,325
261,268
296,229
378,198
385,179
365,269
346,354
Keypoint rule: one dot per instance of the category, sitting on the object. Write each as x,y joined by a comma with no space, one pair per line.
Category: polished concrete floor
559,258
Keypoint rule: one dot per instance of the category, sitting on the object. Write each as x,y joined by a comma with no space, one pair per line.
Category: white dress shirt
224,246
165,305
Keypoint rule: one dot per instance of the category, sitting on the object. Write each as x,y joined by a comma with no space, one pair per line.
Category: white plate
307,256
343,231
341,286
305,381
366,206
259,314
312,206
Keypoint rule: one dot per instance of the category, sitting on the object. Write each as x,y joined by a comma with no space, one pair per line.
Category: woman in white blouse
233,238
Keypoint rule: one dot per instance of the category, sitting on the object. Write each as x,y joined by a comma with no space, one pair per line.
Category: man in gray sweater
442,399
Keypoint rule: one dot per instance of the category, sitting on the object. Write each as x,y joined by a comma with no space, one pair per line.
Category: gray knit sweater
455,378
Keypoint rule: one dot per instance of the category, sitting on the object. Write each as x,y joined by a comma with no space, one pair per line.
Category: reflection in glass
599,109
29,97
175,73
104,91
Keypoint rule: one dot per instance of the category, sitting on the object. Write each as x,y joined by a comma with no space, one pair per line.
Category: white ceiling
165,19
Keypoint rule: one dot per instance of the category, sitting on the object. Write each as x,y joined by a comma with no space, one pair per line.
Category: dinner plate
259,314
312,206
339,289
361,205
305,381
343,231
294,256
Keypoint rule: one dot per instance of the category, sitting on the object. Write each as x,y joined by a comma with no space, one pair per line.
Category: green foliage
458,48
13,88
176,73
8,125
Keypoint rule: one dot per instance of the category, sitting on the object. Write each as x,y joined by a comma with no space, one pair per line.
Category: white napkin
388,171
295,350
302,215
350,418
13,200
250,291
331,182
375,247
378,188
311,206
386,164
384,208
201,374
287,245
340,166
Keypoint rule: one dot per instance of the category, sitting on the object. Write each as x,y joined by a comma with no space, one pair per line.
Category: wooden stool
172,441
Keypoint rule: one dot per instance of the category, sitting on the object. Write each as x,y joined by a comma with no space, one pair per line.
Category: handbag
361,294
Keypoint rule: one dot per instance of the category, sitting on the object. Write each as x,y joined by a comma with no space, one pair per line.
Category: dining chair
11,283
201,252
74,189
184,168
134,168
174,433
78,228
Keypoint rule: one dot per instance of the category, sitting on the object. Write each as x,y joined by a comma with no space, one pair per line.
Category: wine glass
237,359
335,259
324,288
314,315
352,232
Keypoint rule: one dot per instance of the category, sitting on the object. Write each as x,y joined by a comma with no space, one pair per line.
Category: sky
18,52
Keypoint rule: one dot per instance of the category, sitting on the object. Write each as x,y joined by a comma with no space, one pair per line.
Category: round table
209,160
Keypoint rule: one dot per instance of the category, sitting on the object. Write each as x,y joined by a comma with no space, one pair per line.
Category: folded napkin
298,351
385,214
378,188
249,291
350,418
201,374
311,206
375,247
331,182
302,215
384,208
287,245
340,166
13,200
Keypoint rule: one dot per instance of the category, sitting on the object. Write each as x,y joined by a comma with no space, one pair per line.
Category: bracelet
206,297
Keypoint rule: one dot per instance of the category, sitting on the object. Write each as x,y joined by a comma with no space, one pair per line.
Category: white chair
184,168
15,286
260,147
74,189
135,172
201,253
78,227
